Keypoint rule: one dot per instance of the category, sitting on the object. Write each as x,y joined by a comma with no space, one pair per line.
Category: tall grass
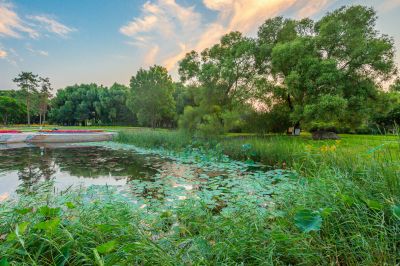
147,138
352,185
357,179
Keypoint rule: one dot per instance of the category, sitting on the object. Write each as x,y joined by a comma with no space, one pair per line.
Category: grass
344,209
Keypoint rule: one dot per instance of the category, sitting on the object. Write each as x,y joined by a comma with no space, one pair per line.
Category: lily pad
308,220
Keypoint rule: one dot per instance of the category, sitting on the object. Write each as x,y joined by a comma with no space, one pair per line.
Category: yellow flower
308,147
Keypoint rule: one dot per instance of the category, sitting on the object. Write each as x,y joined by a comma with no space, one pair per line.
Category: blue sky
104,41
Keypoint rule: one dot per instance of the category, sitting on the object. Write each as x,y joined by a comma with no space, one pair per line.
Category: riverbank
341,205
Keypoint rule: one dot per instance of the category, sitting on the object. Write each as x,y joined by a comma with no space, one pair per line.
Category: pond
147,177
23,166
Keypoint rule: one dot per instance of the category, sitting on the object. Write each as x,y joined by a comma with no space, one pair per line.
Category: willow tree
222,77
327,72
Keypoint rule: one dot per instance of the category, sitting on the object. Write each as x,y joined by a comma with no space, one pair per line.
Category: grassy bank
356,180
342,207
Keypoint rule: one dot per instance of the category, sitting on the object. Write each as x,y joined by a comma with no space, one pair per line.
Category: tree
76,105
326,73
28,83
151,96
8,108
45,94
222,81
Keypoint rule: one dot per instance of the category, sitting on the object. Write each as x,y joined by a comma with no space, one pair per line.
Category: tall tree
222,77
327,73
45,94
151,97
28,83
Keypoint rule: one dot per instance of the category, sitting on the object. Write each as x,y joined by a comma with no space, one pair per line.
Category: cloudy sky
106,41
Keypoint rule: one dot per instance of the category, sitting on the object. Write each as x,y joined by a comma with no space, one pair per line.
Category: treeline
91,105
31,101
324,75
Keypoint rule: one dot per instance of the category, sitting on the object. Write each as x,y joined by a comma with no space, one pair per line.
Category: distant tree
76,105
8,108
45,94
28,83
151,96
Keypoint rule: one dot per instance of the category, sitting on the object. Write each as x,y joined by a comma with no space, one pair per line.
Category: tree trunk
28,114
5,119
44,117
40,118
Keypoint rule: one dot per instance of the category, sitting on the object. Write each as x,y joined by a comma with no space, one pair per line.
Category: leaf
347,199
49,225
23,211
11,237
325,212
49,212
107,247
374,205
97,257
307,220
70,205
21,228
4,262
396,211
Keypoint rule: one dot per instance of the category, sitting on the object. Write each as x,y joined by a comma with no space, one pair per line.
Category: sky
104,41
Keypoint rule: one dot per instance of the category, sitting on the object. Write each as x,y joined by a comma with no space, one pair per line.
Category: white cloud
313,7
139,25
151,55
35,51
177,29
52,25
161,29
11,25
3,54
388,5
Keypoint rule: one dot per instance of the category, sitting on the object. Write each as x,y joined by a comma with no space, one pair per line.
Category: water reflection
21,167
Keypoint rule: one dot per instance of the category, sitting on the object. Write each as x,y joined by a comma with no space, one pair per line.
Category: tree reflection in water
35,164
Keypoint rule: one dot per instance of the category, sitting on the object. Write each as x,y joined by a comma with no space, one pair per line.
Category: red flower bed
70,131
9,131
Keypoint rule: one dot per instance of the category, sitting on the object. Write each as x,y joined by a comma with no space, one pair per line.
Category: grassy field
340,207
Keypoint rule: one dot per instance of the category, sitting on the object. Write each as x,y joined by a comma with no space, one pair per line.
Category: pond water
147,177
22,166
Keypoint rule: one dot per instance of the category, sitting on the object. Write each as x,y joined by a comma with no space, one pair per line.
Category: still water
22,166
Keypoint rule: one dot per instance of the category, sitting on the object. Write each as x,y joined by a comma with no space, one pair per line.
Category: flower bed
2,131
71,131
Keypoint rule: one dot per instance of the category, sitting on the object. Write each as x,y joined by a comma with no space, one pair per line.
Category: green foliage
151,97
107,247
28,84
395,87
221,78
307,220
343,197
10,109
89,103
